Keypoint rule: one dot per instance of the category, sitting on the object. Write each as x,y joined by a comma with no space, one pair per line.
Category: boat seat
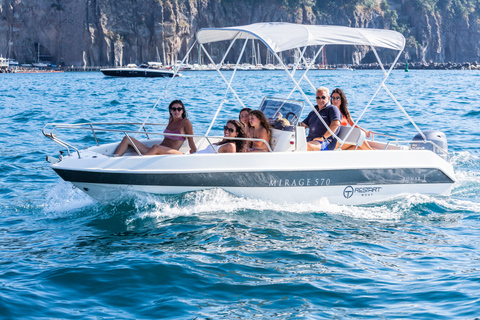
280,140
356,137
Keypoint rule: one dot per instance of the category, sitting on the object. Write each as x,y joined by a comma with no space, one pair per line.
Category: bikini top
344,121
176,132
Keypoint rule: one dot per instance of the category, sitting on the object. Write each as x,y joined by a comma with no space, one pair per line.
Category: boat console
283,115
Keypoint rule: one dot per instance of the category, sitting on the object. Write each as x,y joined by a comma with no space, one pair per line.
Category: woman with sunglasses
177,124
339,100
259,128
233,129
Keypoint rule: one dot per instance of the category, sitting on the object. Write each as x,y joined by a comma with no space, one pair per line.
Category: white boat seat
356,137
280,140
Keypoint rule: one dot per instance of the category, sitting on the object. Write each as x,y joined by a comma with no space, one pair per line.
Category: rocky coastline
118,32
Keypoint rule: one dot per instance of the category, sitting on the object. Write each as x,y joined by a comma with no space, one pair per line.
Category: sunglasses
336,98
177,109
225,128
322,97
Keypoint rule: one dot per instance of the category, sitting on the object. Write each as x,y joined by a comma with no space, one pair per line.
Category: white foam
465,159
217,201
65,197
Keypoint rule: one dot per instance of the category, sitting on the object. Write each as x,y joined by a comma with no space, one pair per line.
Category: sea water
211,255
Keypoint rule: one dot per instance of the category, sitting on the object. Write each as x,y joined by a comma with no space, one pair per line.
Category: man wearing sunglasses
319,138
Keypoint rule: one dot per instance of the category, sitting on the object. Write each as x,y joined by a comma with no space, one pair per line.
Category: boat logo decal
363,191
348,192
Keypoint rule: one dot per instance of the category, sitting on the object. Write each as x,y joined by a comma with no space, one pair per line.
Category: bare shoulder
187,125
228,148
263,132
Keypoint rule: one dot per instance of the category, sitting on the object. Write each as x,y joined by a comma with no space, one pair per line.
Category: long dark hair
239,144
263,121
184,113
344,103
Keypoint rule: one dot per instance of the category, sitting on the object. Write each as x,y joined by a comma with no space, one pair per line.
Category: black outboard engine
439,145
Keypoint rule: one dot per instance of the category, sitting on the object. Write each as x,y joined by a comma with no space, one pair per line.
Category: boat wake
467,171
63,197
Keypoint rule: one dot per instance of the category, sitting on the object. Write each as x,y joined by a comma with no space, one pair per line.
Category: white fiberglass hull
343,177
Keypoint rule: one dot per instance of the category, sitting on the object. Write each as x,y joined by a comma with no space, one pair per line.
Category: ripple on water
210,254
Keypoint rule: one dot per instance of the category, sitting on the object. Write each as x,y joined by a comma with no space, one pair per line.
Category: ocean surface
211,255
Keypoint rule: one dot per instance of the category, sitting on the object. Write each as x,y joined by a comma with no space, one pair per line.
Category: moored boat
288,173
3,63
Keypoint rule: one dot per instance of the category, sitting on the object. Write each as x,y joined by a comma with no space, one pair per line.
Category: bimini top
281,36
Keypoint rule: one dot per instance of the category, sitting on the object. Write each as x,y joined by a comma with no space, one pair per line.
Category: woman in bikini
233,129
177,124
259,128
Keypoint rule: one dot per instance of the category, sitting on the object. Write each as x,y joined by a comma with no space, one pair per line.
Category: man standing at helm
319,138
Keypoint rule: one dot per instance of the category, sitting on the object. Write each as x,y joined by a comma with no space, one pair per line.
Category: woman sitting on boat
259,128
339,100
243,117
177,124
233,129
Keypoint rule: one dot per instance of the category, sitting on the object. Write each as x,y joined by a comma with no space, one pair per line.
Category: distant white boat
3,62
40,64
150,70
268,66
344,68
13,63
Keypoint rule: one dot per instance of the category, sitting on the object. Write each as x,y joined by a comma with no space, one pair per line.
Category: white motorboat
344,68
287,174
40,64
3,63
150,70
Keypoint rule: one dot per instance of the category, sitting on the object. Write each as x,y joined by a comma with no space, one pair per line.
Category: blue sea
212,255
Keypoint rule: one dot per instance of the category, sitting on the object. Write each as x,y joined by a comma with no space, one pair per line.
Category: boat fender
439,143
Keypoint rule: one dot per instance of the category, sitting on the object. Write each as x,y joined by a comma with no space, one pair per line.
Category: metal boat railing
94,127
91,127
373,134
407,143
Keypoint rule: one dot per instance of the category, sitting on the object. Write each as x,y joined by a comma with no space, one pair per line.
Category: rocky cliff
117,32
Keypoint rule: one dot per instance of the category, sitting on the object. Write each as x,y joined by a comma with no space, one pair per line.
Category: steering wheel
294,119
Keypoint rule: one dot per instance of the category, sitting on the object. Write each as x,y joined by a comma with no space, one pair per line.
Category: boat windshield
283,114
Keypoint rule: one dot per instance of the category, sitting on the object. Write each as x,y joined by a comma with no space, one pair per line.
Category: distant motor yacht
149,70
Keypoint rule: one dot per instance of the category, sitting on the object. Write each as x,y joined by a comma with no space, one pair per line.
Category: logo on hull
349,191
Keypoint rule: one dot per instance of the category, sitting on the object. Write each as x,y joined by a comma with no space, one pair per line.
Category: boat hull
342,177
130,72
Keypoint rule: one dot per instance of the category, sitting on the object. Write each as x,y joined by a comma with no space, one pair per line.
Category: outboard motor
439,139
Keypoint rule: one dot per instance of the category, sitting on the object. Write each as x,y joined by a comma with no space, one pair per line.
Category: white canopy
281,36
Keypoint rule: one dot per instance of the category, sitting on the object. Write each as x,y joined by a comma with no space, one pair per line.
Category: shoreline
366,66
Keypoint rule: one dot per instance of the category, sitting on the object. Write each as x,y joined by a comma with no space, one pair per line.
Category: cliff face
444,33
117,32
